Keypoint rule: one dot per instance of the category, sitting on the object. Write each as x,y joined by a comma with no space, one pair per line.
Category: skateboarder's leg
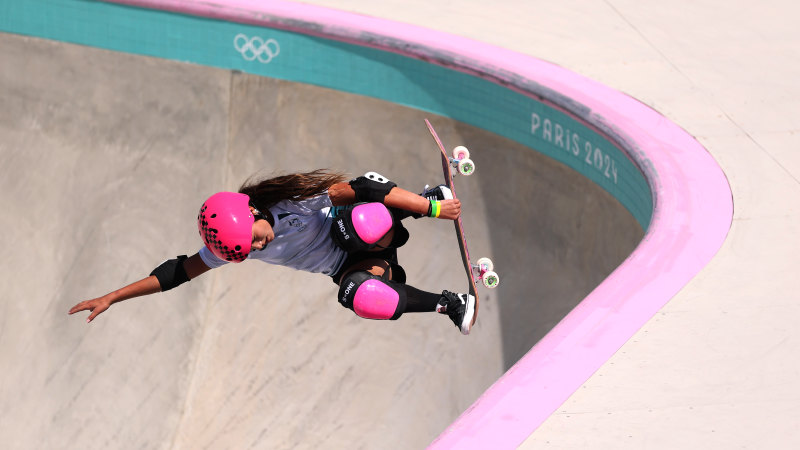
370,289
374,288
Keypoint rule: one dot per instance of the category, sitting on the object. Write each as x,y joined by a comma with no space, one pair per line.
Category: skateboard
483,269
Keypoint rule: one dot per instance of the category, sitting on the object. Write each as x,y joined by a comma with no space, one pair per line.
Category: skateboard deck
482,268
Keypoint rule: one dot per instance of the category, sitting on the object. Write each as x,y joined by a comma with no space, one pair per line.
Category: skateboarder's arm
193,266
343,194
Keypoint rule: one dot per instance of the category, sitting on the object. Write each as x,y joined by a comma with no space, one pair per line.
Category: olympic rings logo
256,48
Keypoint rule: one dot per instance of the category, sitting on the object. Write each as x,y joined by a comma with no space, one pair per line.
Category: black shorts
389,255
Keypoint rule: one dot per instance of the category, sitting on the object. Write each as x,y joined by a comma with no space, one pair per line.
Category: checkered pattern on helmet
211,240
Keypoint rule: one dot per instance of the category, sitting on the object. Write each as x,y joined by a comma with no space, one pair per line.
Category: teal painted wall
337,65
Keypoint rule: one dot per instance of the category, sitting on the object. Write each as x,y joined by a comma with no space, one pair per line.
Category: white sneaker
459,307
441,192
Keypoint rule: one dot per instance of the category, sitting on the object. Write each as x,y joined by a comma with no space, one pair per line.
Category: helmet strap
258,215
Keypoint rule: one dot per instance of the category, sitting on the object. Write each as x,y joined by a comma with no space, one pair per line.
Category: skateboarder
317,222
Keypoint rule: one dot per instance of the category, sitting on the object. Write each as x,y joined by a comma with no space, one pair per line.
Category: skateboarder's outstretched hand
96,306
149,285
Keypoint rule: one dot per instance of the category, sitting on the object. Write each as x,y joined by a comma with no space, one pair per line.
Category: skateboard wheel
485,264
466,167
460,152
490,279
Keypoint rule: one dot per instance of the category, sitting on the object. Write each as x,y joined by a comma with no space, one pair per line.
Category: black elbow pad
371,187
171,273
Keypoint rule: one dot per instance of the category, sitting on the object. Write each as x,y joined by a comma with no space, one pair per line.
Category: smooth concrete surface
717,367
106,158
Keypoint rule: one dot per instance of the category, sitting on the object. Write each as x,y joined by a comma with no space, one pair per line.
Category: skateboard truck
460,161
484,271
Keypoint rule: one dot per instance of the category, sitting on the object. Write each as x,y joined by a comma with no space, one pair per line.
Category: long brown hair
267,192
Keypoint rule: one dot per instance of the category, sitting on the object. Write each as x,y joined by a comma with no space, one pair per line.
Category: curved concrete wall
658,174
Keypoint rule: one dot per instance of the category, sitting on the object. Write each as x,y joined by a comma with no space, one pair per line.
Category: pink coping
375,300
693,211
371,221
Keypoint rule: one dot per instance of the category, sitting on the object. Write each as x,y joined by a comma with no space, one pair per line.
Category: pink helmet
226,225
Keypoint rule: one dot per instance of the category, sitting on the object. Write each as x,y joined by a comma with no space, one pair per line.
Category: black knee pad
372,297
371,187
343,231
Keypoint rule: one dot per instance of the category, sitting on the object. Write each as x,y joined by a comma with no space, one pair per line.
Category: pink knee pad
375,300
371,297
371,221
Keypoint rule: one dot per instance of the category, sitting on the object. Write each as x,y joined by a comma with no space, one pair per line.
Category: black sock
420,301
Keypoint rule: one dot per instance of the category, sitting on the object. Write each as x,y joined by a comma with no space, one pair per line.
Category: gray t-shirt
302,238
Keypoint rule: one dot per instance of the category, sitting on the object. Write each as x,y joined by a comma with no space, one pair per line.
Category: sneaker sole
466,323
447,195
